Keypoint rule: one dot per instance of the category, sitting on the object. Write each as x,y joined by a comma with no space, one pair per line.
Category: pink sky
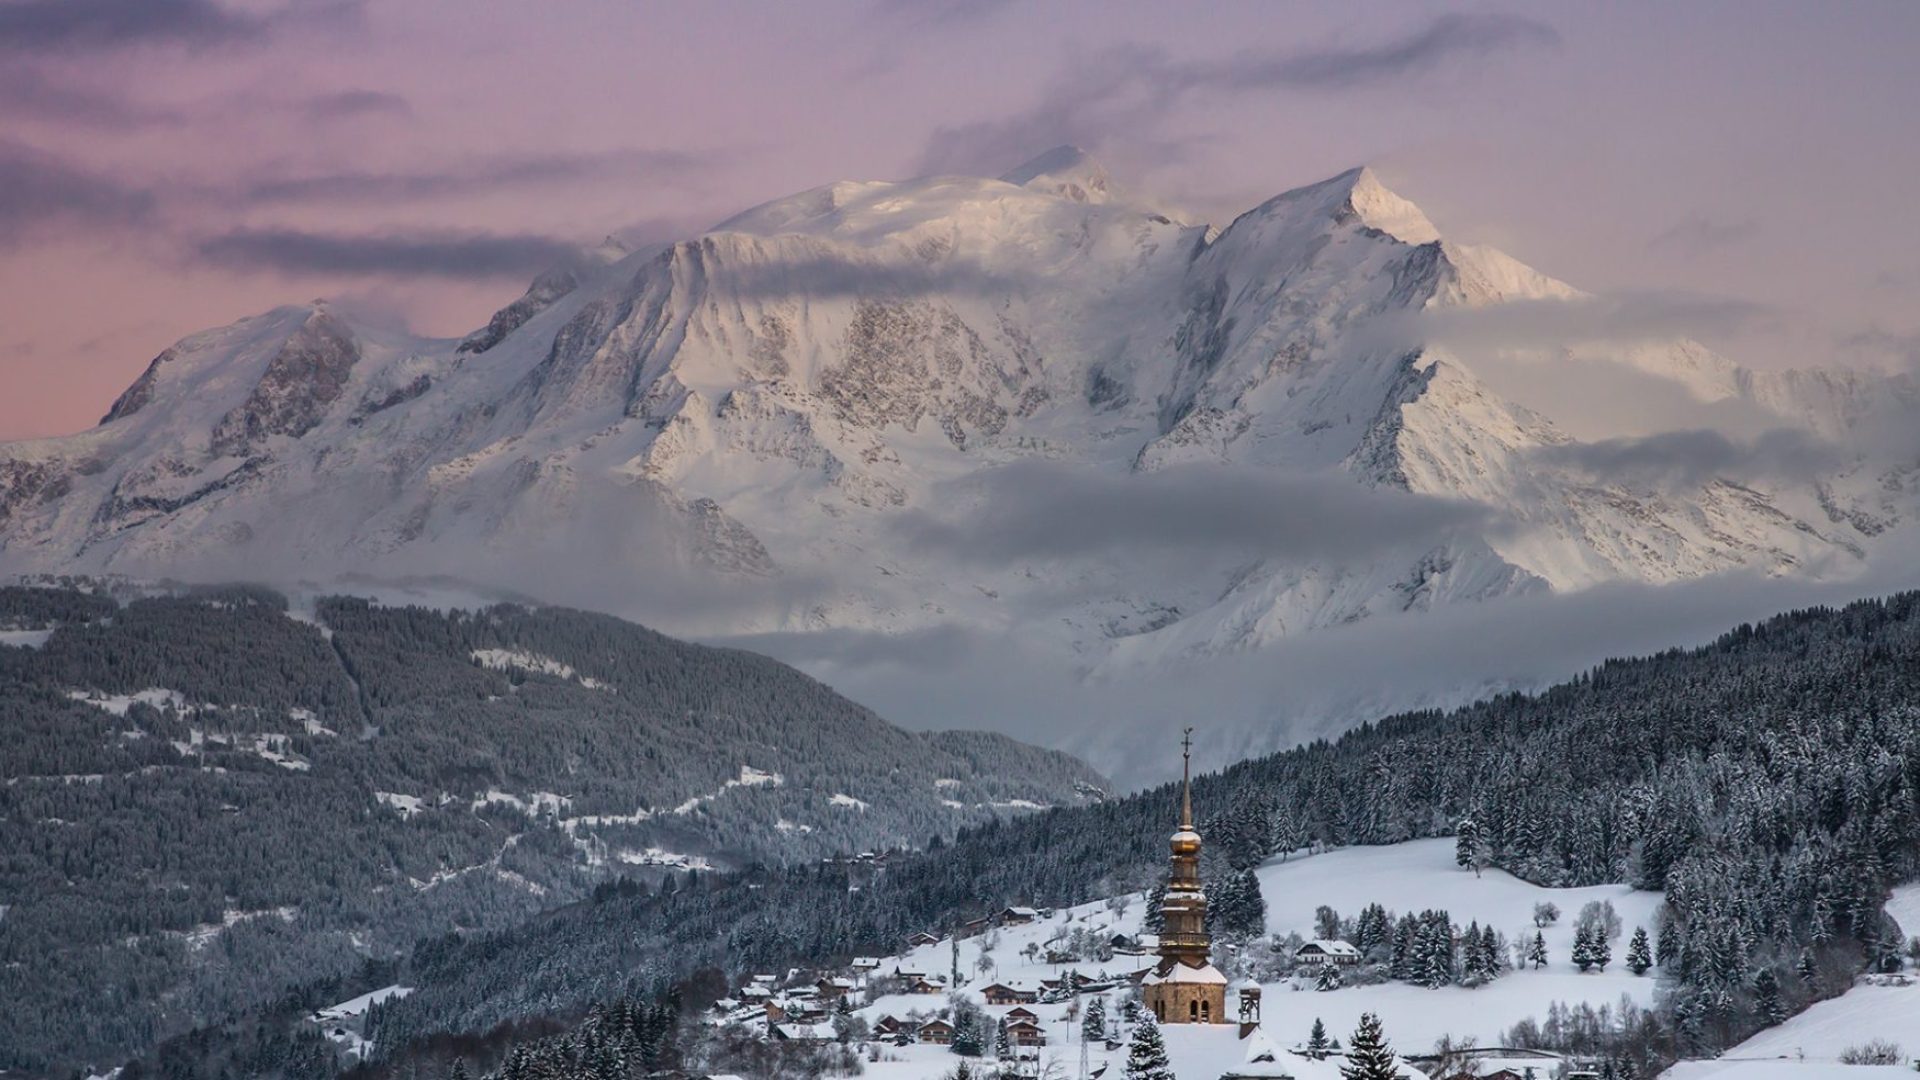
169,165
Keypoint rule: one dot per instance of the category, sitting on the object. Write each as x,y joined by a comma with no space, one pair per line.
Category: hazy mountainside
1768,785
800,422
208,798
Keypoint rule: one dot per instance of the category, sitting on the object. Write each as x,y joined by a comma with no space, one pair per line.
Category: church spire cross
1186,780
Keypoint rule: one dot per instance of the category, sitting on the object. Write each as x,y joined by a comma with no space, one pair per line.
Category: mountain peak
1355,195
1380,207
1067,171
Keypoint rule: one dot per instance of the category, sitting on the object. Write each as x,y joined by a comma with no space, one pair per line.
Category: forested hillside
1765,783
207,798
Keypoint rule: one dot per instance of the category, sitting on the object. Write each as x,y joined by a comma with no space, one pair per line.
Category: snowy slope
750,430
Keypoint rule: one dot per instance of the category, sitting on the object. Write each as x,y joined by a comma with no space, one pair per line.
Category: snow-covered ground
25,639
1403,877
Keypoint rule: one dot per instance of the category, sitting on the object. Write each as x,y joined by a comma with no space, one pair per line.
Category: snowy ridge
771,410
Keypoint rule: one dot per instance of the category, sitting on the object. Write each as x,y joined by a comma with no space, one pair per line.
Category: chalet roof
1331,948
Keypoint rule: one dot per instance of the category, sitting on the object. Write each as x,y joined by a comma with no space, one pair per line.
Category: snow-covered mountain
806,419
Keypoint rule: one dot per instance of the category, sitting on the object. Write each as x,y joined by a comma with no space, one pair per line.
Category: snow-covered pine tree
1002,1041
1583,948
1667,947
1327,977
1317,1041
1808,971
1639,954
1094,1027
1602,949
1467,845
1147,1054
1537,952
1369,1057
1766,997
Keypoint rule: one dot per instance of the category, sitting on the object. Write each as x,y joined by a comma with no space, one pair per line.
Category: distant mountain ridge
752,415
208,798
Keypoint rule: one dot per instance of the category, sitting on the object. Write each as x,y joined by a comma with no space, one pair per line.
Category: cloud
1691,458
37,27
1132,89
459,255
26,92
924,13
1046,510
1902,350
1612,319
1301,688
1445,40
352,104
656,166
1698,234
40,193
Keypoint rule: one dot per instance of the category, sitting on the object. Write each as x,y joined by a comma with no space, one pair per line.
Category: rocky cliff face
787,399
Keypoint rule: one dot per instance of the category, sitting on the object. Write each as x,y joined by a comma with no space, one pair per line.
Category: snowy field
1403,877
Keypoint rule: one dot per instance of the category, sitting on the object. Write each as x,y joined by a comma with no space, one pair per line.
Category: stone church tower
1185,987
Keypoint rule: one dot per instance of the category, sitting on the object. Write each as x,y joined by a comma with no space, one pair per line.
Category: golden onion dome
1186,842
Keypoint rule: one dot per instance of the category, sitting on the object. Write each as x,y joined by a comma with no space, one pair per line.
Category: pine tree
1809,973
1369,1057
459,1070
1639,955
1668,948
1583,948
1470,850
1153,922
1537,952
1602,949
1317,1041
1328,977
1094,1027
1002,1041
1147,1054
1766,997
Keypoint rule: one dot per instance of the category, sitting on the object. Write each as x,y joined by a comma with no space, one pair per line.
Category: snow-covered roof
1181,973
1331,948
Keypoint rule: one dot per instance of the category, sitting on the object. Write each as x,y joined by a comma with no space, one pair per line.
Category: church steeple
1184,910
1185,987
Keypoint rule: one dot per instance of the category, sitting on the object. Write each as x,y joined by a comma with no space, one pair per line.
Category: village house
1021,1012
935,1031
1026,1033
1317,953
914,941
1003,994
1017,916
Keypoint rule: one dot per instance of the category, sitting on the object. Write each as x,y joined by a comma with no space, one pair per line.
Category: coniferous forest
1765,783
208,801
